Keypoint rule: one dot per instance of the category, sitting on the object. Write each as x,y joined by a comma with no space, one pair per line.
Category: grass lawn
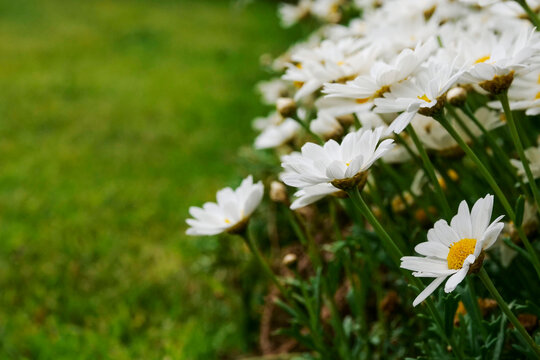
115,117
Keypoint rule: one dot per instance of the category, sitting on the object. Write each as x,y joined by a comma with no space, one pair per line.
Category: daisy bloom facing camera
334,166
455,250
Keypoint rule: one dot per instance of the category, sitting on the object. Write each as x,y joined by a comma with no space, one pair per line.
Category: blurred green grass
115,116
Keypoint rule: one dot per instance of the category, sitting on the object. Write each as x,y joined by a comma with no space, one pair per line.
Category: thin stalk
359,291
264,265
393,250
296,227
396,255
503,173
428,166
316,259
483,275
503,98
493,183
530,13
477,314
306,127
409,150
501,154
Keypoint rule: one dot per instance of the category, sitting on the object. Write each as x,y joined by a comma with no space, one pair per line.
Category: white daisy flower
231,212
272,90
533,156
326,125
423,94
524,94
331,61
275,131
311,194
493,60
327,10
456,249
343,165
291,14
365,88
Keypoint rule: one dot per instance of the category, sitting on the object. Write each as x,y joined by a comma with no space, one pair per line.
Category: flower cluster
384,119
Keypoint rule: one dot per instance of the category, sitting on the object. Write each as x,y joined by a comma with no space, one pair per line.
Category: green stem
295,226
403,142
359,291
317,262
396,255
530,13
255,250
388,243
503,98
493,183
476,313
428,166
484,156
504,307
306,127
501,154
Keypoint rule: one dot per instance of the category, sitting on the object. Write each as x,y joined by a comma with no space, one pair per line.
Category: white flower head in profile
343,166
533,156
492,64
423,94
365,88
231,212
455,250
275,131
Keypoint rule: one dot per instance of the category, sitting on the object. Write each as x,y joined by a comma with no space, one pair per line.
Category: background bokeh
115,117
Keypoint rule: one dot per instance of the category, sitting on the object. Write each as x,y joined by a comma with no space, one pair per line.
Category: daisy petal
428,290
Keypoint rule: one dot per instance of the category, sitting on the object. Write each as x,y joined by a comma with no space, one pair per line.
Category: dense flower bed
406,206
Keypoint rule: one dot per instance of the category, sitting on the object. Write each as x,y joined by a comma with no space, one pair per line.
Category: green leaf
520,208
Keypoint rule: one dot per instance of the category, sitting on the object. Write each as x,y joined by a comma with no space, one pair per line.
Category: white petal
432,248
461,223
491,235
480,215
336,170
443,233
458,277
428,290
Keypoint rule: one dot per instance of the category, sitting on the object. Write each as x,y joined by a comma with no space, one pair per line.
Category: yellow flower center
341,63
347,164
482,59
537,96
227,221
362,101
424,97
459,252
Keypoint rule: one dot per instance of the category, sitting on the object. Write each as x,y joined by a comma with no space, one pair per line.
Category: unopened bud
345,120
286,107
289,259
456,96
278,192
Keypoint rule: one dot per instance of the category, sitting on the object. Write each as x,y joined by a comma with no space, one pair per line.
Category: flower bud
278,192
345,120
289,259
456,96
286,107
